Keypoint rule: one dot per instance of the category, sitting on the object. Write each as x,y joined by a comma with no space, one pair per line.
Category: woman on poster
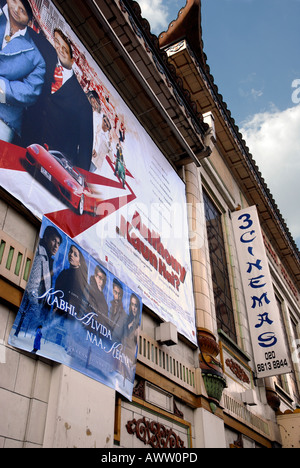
73,282
72,288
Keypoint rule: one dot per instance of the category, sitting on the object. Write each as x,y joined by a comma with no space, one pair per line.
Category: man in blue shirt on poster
22,67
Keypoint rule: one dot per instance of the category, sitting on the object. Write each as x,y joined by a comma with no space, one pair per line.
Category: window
221,285
279,378
295,360
282,380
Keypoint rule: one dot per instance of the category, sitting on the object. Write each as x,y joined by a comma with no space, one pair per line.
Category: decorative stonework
139,390
207,343
177,411
237,370
154,434
211,368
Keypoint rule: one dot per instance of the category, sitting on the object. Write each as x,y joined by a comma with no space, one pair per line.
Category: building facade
202,393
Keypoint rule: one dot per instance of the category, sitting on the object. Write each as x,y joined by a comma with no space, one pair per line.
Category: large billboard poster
71,150
268,341
75,312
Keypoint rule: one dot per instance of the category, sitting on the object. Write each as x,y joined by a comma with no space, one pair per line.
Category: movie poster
71,150
75,312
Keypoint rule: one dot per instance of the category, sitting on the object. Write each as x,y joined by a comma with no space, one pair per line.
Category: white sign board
269,347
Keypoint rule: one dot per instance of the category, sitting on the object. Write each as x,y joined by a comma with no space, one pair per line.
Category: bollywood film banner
75,312
265,324
72,150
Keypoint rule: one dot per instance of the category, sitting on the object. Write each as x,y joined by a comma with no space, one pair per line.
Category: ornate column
209,349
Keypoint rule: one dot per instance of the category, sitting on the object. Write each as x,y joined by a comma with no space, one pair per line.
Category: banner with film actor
73,151
75,312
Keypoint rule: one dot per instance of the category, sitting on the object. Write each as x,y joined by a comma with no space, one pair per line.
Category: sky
253,51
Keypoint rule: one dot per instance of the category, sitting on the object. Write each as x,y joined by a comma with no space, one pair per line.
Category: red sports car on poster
54,167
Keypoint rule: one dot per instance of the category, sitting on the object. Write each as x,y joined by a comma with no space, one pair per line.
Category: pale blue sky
252,48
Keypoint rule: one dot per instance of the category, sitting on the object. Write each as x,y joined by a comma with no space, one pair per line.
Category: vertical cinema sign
269,346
